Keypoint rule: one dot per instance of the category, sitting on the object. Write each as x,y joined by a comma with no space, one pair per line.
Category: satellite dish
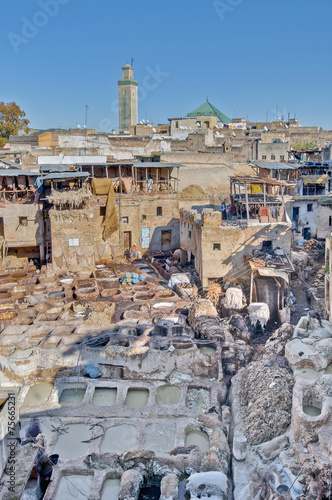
147,121
78,126
154,130
143,121
265,128
286,125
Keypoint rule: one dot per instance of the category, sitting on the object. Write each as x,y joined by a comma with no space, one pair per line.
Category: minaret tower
128,109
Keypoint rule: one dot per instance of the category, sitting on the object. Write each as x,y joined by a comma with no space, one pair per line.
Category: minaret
128,112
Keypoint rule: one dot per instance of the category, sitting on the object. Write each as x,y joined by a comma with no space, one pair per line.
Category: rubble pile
204,320
276,343
266,400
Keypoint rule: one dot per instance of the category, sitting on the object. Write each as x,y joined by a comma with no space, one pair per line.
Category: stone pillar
42,253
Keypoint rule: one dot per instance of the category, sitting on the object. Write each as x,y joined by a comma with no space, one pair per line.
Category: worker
315,489
133,252
314,315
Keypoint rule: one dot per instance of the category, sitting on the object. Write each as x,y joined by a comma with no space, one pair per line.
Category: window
143,217
189,234
309,207
263,157
176,124
159,211
273,157
125,220
23,221
102,211
267,245
73,242
1,227
216,246
282,157
330,221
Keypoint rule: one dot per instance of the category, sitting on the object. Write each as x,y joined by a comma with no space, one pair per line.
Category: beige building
219,248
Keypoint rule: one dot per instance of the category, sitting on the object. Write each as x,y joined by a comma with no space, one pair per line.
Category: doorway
166,240
126,240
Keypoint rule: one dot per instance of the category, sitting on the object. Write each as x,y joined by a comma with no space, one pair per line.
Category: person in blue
223,210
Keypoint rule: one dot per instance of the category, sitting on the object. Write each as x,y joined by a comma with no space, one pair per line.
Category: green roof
207,109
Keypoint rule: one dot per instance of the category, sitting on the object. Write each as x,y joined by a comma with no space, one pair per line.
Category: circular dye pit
160,438
87,293
161,305
110,489
38,394
312,411
298,346
104,396
198,438
74,486
328,370
70,444
209,351
111,292
198,399
119,438
308,374
67,281
168,395
143,297
71,397
136,398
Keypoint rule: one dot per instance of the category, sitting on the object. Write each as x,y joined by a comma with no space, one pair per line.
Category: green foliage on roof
207,109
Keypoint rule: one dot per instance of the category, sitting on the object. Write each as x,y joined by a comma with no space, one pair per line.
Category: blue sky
250,57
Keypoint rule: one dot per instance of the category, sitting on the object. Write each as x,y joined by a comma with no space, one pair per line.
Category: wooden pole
264,195
247,203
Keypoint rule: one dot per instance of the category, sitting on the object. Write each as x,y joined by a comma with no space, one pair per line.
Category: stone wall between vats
72,240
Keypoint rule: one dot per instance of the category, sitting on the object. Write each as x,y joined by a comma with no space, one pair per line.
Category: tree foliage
12,119
305,146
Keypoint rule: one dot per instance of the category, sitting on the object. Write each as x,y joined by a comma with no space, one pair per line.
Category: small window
176,124
189,234
73,242
1,227
267,245
23,221
159,211
263,157
273,157
102,211
282,157
143,217
330,221
125,220
216,246
309,207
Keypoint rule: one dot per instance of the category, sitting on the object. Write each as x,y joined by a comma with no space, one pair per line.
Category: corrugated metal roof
274,165
64,175
8,172
56,168
156,164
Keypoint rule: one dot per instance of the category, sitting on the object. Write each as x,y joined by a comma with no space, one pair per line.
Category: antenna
132,62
